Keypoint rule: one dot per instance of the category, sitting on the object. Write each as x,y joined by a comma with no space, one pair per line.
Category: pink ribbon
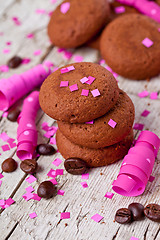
17,86
149,8
137,165
27,132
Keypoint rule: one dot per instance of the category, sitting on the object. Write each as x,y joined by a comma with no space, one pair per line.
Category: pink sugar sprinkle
153,95
109,195
59,171
53,141
4,68
8,43
102,61
31,179
49,134
84,92
119,10
151,178
26,60
37,52
33,215
112,123
84,184
40,11
64,70
67,55
1,176
84,79
65,215
16,21
65,7
97,217
134,238
0,182
90,80
71,68
53,180
145,113
5,147
143,94
52,173
4,136
29,189
73,87
30,35
60,192
138,126
78,58
147,42
90,122
85,176
95,93
57,162
64,84
5,51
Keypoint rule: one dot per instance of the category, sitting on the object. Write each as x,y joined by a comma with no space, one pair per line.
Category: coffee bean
29,166
14,62
45,149
46,190
152,211
9,165
75,166
123,215
13,114
137,211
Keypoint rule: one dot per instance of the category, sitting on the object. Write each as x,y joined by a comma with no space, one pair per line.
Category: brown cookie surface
121,46
100,133
62,104
94,157
80,23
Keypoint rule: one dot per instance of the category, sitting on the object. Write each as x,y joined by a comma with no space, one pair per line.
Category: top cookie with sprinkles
78,92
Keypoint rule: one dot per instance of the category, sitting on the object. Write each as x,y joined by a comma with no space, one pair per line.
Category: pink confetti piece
26,60
65,7
49,134
8,43
57,162
37,52
134,238
109,195
29,189
5,51
31,179
64,70
143,94
40,11
64,84
151,178
78,58
12,145
33,215
59,171
60,192
53,180
51,173
145,113
102,61
153,95
9,201
30,35
5,147
27,196
71,68
84,79
97,217
67,55
16,21
85,176
4,68
48,63
4,136
65,215
90,122
119,10
112,123
53,141
5,114
138,126
36,197
84,184
1,176
95,93
147,42
2,202
73,87
0,182
85,92
90,80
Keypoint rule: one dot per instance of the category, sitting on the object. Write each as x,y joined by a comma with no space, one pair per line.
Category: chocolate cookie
80,23
70,106
94,157
121,46
100,133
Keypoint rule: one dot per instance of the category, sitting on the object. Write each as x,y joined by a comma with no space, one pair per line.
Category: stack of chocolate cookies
94,116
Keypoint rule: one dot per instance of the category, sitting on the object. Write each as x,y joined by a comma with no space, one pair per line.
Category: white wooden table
15,222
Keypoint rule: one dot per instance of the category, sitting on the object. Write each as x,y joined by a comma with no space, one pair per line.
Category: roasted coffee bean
123,215
14,62
13,114
29,166
137,211
45,149
9,165
46,190
75,166
152,211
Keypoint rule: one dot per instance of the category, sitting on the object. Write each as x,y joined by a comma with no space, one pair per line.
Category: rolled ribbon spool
27,132
17,86
137,165
149,8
